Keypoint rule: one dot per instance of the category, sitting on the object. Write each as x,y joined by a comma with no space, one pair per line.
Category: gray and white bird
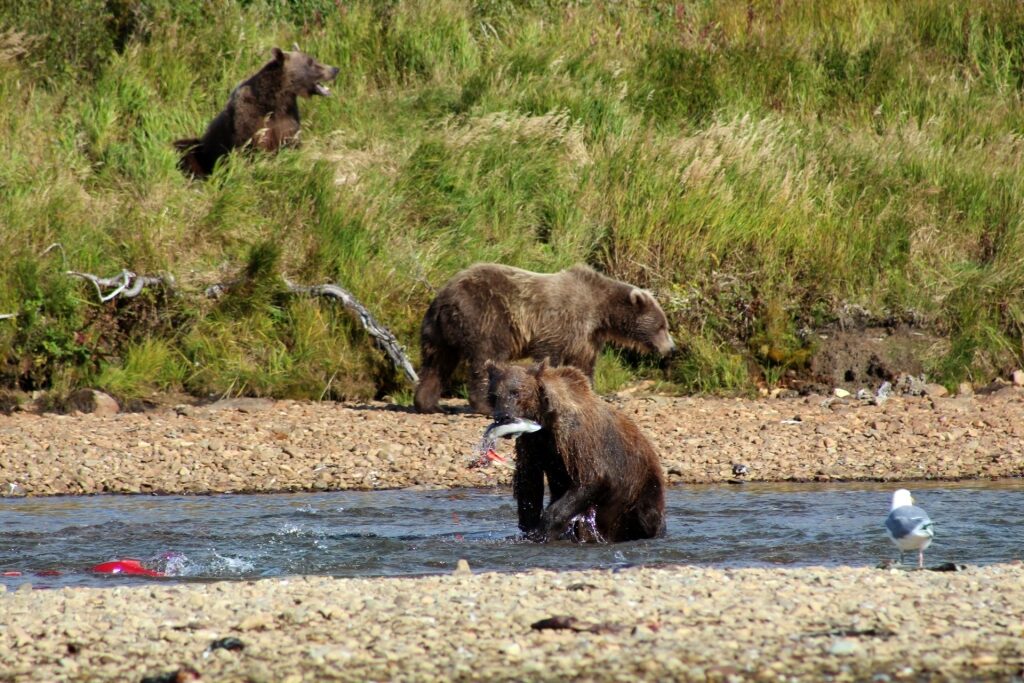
909,527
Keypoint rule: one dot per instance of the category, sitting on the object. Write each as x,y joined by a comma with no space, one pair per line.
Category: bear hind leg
646,520
437,367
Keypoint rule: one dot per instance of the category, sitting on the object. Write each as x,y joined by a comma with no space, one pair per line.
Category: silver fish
513,428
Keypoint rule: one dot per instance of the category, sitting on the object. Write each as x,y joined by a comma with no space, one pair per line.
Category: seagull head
901,498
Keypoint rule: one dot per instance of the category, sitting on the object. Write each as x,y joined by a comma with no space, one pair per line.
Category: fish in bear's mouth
509,427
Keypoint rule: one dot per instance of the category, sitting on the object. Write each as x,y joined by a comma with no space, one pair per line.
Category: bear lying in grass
500,313
263,111
603,474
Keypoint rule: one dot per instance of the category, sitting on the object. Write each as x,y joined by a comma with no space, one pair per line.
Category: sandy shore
247,445
683,623
679,623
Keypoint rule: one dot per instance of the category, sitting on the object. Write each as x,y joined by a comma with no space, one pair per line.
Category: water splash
486,453
583,528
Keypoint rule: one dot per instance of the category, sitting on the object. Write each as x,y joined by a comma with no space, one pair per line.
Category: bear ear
491,369
277,54
639,298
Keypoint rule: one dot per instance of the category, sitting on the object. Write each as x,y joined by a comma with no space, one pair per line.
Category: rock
935,390
462,568
844,647
911,385
1018,378
92,401
255,622
965,389
840,393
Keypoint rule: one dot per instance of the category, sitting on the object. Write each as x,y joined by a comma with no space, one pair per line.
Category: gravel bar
682,623
254,445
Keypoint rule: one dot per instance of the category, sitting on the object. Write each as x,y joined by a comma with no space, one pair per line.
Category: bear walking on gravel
262,111
603,474
496,312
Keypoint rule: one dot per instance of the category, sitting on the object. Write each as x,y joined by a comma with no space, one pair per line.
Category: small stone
1018,378
840,393
965,389
936,390
255,622
462,568
844,647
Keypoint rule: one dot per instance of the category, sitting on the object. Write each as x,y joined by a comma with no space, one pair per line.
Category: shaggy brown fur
262,111
500,313
593,455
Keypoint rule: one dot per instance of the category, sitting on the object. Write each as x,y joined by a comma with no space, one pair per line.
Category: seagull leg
920,559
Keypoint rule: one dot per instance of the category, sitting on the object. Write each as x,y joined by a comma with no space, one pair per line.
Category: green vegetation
758,164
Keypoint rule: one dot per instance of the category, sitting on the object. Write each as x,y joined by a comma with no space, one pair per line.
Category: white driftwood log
383,336
126,283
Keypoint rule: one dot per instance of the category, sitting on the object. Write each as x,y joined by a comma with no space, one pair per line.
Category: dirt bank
257,445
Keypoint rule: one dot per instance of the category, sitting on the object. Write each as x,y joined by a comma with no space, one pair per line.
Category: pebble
844,647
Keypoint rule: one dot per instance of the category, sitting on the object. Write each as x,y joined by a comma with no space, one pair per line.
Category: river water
54,541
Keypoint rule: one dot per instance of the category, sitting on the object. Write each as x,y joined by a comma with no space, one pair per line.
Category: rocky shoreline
253,445
680,623
669,623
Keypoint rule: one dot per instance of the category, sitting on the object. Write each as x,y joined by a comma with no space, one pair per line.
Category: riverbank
672,623
680,623
253,445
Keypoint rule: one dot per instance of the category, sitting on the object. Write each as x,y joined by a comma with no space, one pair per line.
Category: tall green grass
758,164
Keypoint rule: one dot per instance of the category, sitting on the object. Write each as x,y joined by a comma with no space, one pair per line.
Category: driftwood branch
385,339
125,284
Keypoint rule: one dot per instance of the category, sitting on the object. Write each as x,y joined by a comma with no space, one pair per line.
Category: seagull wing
908,520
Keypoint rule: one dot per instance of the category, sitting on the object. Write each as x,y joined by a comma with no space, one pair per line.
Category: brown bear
262,111
598,463
495,312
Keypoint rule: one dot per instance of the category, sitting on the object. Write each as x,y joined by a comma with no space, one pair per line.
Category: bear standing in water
263,111
597,462
500,313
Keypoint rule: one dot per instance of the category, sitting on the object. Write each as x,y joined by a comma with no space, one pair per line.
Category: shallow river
54,541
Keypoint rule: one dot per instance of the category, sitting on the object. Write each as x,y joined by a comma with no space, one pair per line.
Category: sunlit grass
757,164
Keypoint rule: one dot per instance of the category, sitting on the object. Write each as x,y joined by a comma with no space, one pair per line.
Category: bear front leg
528,489
555,519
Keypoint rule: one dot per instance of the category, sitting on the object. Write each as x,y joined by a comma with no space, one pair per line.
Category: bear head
539,393
303,74
638,322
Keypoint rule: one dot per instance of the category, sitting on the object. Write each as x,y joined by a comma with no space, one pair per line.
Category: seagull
909,527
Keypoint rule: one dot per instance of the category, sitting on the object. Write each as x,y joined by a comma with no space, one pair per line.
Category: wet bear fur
263,111
593,456
496,312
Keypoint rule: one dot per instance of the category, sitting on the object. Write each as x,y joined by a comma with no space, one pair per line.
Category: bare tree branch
126,283
385,339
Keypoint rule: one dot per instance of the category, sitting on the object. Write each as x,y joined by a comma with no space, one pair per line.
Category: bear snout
327,74
665,344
